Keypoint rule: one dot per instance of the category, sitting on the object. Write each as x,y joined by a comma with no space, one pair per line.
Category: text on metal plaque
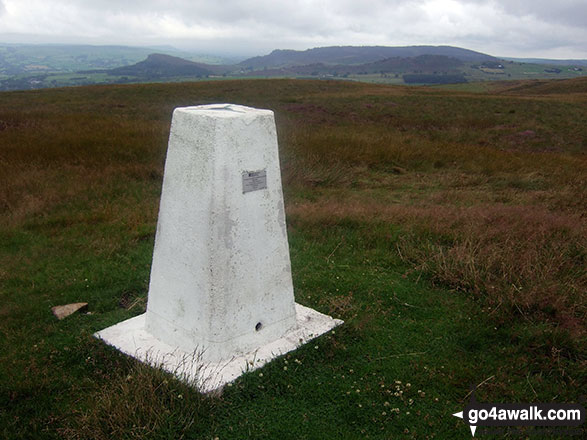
254,180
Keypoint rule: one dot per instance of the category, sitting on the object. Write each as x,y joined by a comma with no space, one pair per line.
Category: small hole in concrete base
259,326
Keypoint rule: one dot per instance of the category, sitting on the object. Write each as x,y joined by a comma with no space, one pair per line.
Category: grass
446,228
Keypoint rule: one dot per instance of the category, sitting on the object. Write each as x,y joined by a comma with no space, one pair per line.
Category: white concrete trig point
220,298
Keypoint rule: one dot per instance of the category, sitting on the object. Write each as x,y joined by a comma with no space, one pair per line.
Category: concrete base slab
131,338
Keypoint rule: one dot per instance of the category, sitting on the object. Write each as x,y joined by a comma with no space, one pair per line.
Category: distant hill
164,66
419,64
32,67
18,59
549,61
353,55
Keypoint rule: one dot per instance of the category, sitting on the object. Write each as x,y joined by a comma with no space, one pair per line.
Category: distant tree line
428,78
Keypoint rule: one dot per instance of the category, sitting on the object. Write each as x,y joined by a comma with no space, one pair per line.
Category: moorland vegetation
447,228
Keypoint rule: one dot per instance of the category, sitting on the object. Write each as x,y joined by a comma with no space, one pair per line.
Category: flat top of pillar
224,110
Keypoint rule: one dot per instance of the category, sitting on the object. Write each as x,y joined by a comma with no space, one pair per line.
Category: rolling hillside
545,87
378,64
421,63
353,55
163,66
17,59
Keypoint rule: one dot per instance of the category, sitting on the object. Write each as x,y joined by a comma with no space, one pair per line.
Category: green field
25,67
29,67
32,58
447,228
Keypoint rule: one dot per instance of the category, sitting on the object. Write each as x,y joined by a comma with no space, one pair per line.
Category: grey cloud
291,14
569,12
298,12
499,27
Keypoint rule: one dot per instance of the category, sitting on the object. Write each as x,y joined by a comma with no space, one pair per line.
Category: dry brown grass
572,86
483,209
525,258
437,185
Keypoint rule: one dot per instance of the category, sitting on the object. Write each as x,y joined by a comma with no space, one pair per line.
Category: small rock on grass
64,311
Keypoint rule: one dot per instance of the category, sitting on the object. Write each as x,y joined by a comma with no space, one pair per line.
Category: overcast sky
515,28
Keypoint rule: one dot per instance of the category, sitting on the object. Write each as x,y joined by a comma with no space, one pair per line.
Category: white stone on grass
62,312
220,297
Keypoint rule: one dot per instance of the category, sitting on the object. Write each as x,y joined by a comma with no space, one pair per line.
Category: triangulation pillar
220,298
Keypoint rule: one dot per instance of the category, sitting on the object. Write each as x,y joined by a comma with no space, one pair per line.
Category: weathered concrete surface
221,278
131,338
221,260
